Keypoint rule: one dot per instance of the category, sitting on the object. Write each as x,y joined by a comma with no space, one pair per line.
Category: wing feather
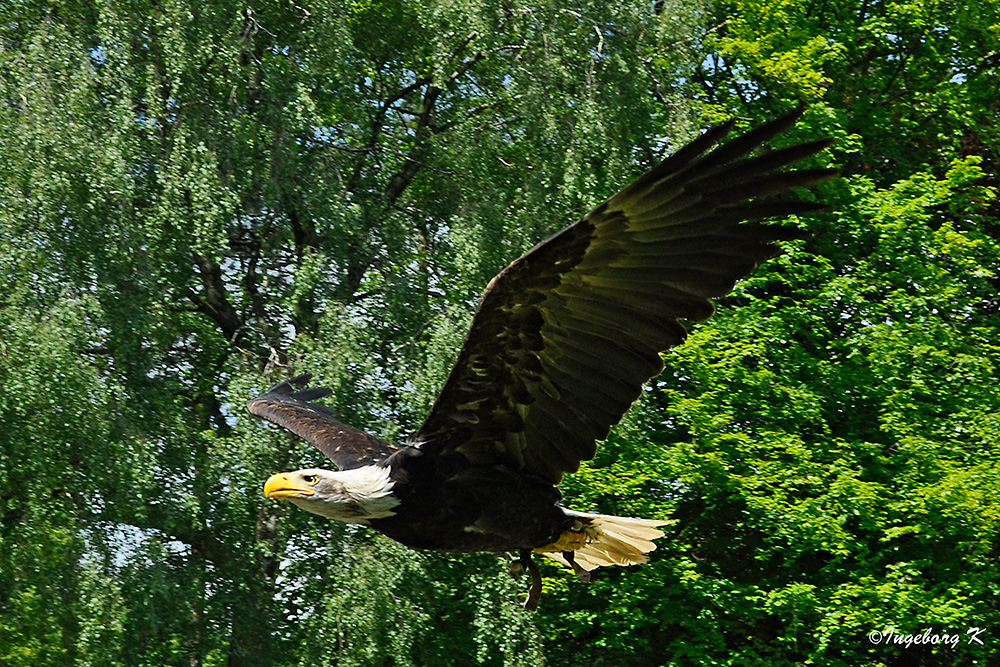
565,336
292,408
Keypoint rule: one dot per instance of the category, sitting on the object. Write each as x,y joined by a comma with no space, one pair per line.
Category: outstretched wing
292,408
565,337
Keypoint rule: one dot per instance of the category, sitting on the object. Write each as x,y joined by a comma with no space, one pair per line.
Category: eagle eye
310,479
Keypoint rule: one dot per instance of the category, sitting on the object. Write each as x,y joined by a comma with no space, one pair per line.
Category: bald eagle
560,346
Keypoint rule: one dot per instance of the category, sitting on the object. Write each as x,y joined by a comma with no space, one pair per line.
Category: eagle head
352,496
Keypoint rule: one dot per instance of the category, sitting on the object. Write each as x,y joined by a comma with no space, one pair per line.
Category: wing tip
293,388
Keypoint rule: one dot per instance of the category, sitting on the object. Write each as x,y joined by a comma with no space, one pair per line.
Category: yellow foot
568,541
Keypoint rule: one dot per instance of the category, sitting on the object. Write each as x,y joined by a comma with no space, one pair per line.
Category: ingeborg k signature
928,636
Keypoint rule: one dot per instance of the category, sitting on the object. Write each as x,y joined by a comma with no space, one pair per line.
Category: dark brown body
449,506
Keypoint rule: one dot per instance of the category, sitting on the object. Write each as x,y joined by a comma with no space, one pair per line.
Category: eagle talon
570,540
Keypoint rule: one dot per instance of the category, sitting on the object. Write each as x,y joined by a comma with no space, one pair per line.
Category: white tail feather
613,540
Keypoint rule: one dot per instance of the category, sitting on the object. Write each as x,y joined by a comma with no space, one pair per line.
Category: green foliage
197,198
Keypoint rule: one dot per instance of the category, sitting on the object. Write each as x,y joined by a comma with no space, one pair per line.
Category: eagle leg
535,592
577,568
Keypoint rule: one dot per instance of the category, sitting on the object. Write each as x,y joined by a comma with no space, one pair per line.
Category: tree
830,441
198,198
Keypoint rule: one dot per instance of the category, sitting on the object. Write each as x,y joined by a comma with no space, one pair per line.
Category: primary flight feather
562,342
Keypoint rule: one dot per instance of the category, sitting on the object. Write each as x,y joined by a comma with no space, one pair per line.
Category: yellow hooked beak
287,485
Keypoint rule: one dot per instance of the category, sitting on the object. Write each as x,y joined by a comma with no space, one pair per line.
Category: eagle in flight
560,346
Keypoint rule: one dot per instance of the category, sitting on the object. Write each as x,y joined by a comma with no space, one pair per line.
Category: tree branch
215,302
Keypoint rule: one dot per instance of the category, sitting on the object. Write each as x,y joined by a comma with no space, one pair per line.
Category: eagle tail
606,540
